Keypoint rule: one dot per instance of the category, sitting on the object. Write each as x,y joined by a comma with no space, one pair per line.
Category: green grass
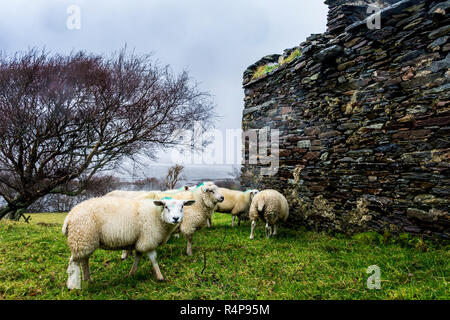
296,265
294,54
264,69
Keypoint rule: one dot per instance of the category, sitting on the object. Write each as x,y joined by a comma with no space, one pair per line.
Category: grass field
296,265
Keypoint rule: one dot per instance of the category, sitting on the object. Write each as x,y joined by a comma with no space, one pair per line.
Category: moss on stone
262,70
294,55
267,68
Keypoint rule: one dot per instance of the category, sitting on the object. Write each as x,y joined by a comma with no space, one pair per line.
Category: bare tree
97,186
173,176
68,118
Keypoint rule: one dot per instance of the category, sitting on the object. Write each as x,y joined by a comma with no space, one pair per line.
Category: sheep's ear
159,203
189,202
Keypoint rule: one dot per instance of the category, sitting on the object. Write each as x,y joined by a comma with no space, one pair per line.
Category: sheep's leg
74,272
232,221
252,230
126,254
208,222
189,245
137,258
152,257
274,229
86,271
268,230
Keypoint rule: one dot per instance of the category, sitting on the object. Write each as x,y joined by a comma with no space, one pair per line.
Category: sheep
206,196
155,194
183,188
132,195
271,207
181,194
236,203
128,194
192,188
116,224
194,193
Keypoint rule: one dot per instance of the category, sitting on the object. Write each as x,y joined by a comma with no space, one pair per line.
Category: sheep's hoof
74,288
161,279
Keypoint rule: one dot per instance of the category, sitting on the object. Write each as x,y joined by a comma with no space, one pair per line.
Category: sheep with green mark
117,223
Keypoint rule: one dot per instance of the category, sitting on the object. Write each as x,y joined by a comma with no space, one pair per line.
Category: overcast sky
214,40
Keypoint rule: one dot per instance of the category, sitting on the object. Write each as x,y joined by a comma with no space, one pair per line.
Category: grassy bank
296,265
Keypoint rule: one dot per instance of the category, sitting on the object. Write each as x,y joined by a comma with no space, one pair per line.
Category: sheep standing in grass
116,224
236,203
132,195
155,194
271,207
206,197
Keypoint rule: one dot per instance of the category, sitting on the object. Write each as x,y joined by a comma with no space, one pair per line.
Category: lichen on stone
359,216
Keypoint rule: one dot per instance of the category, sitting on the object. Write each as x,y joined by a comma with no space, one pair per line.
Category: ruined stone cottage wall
364,120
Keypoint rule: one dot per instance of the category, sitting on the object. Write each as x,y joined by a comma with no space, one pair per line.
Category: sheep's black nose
175,219
221,199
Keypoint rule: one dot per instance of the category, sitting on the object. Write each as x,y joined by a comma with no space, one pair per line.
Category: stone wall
364,120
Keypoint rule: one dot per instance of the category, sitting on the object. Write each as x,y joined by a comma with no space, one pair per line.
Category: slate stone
364,122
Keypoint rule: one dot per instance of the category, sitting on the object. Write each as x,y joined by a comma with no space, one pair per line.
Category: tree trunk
11,212
6,212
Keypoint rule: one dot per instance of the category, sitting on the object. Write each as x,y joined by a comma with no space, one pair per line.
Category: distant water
191,173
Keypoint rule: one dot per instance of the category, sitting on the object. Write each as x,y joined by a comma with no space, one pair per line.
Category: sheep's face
173,210
212,194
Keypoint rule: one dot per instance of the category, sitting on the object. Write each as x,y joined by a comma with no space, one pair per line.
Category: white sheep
155,194
132,195
183,188
127,194
271,207
206,197
116,224
236,202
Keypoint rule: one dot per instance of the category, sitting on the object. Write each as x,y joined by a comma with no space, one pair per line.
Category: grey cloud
214,40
